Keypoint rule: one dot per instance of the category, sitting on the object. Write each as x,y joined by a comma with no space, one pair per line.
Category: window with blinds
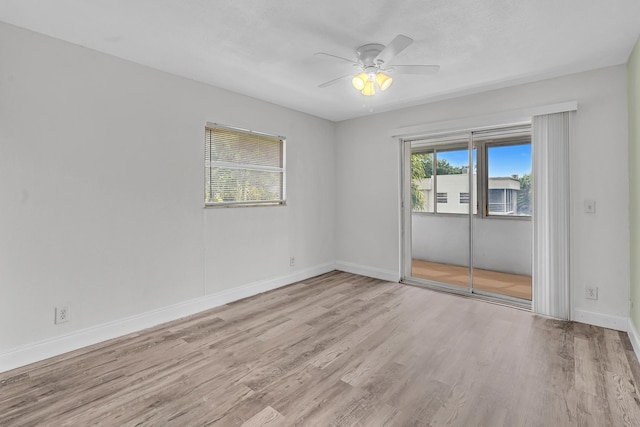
243,168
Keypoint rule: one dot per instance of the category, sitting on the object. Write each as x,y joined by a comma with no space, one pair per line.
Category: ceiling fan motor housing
367,55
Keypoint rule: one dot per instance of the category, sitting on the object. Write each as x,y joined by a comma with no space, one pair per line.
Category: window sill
461,215
243,205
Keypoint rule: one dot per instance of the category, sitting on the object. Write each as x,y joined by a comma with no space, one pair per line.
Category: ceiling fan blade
334,81
414,69
396,46
335,57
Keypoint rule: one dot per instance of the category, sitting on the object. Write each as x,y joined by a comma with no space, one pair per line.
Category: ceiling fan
373,62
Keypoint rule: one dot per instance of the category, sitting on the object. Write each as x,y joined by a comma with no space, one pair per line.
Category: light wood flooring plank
267,417
339,349
513,285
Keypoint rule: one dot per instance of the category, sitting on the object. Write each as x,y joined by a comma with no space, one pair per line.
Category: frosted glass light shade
384,81
359,81
369,88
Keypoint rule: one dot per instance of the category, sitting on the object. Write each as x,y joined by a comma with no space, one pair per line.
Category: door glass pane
501,243
440,216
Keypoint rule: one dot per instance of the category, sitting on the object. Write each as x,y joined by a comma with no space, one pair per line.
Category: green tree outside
524,195
418,173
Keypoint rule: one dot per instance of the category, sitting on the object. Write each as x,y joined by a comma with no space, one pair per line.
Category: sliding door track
506,301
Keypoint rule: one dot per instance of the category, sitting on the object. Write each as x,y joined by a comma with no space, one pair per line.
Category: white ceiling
265,48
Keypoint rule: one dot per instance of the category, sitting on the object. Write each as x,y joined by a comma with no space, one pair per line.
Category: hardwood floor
340,350
513,285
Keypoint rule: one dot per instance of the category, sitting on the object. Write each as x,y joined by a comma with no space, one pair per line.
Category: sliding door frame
406,214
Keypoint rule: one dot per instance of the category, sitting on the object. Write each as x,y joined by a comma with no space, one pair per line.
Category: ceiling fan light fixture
359,82
383,81
369,88
373,61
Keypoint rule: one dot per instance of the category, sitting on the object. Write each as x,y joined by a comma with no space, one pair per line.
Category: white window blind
243,167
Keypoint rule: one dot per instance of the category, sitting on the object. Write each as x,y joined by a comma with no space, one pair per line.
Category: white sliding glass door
467,218
439,181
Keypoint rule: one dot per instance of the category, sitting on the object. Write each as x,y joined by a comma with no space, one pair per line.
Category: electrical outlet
62,314
591,292
292,262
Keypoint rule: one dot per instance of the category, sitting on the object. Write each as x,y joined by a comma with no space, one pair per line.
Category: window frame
482,148
481,141
434,150
282,201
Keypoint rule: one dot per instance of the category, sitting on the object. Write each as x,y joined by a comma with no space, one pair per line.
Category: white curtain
550,146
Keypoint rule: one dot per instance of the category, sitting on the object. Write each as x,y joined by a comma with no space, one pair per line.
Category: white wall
367,168
499,244
101,186
633,88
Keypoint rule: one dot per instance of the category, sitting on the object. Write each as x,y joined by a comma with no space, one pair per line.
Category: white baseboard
634,338
363,270
24,355
619,323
